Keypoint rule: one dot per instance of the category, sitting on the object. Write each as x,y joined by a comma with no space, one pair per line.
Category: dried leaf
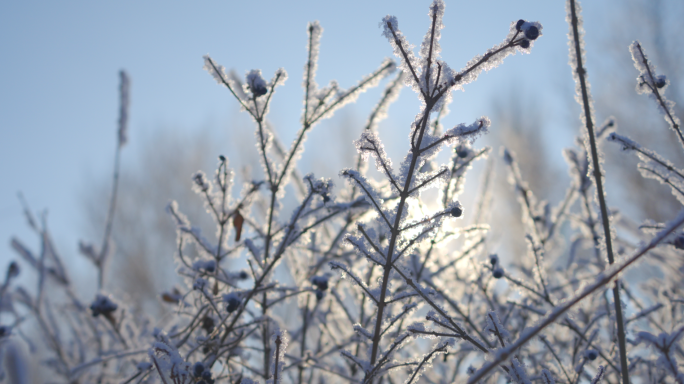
237,223
172,297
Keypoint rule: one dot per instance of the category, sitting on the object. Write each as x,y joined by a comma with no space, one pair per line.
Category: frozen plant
371,281
572,306
397,284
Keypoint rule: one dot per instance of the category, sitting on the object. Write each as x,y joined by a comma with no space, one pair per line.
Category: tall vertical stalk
124,89
581,74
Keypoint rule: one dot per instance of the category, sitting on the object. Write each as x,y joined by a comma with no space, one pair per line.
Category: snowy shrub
366,281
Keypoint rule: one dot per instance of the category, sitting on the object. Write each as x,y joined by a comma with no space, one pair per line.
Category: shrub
369,282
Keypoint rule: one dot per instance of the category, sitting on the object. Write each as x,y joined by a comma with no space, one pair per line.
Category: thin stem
400,316
569,198
370,241
223,80
497,333
394,238
375,203
555,356
662,178
370,79
483,60
455,169
423,221
458,258
104,359
104,251
455,306
427,181
592,228
425,360
262,149
278,343
406,57
524,193
429,58
302,347
269,229
375,149
397,82
462,333
659,161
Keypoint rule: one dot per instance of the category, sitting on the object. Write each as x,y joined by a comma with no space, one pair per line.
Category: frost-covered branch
601,280
579,74
650,83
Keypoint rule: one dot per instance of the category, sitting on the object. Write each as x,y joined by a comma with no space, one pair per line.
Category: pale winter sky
60,63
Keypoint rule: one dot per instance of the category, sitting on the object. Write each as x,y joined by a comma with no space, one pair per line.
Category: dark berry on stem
259,90
498,273
507,157
525,44
679,242
233,304
519,24
591,354
102,305
208,324
321,282
13,270
462,151
210,267
456,212
197,369
243,275
532,32
319,295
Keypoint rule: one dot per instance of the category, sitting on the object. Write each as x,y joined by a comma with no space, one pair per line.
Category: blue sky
60,63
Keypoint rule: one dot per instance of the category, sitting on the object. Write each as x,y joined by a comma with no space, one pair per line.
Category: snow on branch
653,166
601,280
648,82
